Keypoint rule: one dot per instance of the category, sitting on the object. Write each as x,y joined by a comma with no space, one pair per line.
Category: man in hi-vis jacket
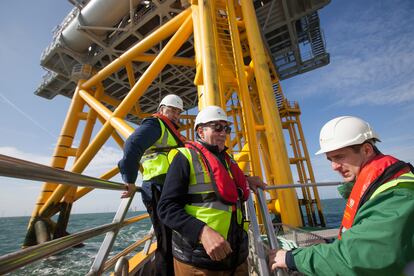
149,145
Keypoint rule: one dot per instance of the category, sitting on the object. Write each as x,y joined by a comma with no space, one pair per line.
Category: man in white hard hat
149,145
202,202
376,236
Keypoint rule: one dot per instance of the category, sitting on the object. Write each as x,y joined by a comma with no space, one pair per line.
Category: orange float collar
167,122
381,169
225,187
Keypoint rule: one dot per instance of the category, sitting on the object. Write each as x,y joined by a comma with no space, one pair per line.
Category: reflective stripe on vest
215,214
154,160
198,172
200,188
408,177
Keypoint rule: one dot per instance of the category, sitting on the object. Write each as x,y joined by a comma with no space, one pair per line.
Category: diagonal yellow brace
136,92
162,33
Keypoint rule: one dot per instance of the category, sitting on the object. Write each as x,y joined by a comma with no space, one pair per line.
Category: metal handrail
270,231
257,243
12,261
109,240
110,263
267,221
18,168
289,186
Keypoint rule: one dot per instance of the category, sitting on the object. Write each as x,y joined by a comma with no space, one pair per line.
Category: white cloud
401,93
14,152
106,159
26,192
371,61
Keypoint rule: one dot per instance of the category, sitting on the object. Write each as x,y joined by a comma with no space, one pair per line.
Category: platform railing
18,168
22,169
291,186
256,242
261,248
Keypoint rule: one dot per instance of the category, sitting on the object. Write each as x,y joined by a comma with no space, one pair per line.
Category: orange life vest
167,122
379,170
225,186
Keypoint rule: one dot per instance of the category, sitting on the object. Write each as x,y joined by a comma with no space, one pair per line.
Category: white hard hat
344,131
209,114
172,100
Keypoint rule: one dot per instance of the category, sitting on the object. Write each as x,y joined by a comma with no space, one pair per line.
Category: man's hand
130,190
277,259
214,244
254,182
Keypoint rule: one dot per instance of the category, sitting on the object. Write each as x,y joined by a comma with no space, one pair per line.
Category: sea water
77,261
74,261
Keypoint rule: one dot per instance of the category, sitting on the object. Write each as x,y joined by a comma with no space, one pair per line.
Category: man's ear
200,132
368,149
161,109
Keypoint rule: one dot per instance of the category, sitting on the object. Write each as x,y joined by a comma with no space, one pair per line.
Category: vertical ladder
290,116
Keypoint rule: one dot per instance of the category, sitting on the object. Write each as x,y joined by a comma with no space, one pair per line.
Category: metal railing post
149,242
267,221
121,267
257,241
106,246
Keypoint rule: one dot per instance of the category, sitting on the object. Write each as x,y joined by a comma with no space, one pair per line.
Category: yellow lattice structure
232,69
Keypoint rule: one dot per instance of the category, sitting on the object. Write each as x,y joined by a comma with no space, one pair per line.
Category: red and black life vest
226,187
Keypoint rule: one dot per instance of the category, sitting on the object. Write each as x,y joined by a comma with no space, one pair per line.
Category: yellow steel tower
222,44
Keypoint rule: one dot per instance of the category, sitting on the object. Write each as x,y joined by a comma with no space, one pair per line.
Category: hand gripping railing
268,225
264,268
17,168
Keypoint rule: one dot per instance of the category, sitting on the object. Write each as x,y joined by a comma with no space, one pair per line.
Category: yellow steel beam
310,170
136,111
160,34
198,79
99,108
65,141
174,60
210,92
117,138
106,176
155,68
244,96
274,133
121,111
90,123
130,73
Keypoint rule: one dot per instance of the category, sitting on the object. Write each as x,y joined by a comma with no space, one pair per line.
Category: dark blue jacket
135,146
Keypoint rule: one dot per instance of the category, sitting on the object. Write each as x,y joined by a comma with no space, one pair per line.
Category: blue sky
371,75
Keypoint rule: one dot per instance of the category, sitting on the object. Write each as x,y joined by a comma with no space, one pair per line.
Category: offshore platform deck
291,32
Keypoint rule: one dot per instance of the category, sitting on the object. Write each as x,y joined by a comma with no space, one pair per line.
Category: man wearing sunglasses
150,144
202,202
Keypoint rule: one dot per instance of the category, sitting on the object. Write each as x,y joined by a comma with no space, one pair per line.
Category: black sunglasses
219,127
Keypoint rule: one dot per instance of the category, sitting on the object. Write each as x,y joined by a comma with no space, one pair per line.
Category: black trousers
164,265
